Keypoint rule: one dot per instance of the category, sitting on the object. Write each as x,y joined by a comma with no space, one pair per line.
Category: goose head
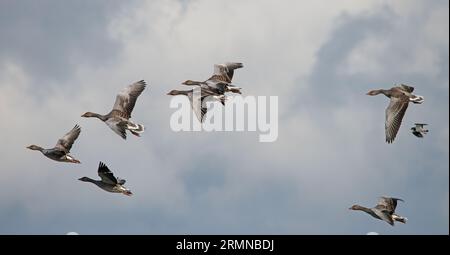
190,83
174,92
373,92
88,115
85,179
355,207
34,148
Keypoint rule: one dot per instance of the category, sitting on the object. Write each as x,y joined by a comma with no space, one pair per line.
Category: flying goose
62,148
400,97
384,210
118,118
419,130
220,81
198,105
108,181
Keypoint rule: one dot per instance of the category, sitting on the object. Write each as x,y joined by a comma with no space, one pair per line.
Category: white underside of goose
399,218
138,128
122,189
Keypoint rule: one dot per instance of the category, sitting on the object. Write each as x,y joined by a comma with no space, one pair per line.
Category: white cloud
412,46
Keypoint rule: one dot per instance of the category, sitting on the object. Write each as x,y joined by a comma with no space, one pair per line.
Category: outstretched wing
385,215
418,134
198,97
388,203
394,116
118,126
106,175
66,142
407,88
126,99
225,72
216,87
198,107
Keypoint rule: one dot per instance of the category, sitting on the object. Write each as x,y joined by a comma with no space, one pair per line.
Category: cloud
50,38
320,60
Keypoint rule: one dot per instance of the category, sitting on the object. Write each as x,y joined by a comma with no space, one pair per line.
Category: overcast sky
59,59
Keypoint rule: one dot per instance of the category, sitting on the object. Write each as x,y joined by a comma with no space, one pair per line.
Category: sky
59,59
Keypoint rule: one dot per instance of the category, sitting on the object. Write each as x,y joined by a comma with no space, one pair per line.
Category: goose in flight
199,104
118,118
384,210
108,181
419,130
400,97
62,148
220,81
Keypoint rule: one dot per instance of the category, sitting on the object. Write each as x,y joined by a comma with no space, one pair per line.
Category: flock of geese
118,119
214,88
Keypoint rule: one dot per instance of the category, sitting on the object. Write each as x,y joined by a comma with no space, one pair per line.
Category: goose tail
399,218
417,99
234,89
135,129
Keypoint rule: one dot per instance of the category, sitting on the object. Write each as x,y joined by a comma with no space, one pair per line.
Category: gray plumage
108,181
400,97
220,81
225,72
384,210
62,148
118,118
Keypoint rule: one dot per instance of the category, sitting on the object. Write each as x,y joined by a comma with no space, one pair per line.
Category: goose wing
66,142
198,107
106,175
420,125
384,215
126,99
118,126
225,72
215,86
388,203
394,115
407,88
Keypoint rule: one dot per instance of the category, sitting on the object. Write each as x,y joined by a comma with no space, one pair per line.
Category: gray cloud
49,38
